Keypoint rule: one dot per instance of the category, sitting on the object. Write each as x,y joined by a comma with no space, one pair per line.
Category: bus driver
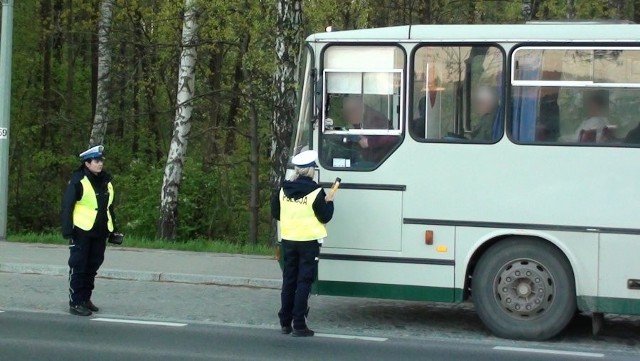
361,116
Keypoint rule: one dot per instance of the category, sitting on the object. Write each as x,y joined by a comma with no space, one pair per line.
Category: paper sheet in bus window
341,163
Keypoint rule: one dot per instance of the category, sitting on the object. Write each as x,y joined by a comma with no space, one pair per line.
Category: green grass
198,245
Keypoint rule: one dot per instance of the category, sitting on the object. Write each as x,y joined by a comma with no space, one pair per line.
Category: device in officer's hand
116,238
336,184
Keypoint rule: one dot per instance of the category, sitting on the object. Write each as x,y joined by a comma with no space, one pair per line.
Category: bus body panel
350,226
404,281
617,250
610,33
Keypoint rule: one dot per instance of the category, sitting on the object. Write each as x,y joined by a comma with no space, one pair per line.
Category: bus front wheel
524,289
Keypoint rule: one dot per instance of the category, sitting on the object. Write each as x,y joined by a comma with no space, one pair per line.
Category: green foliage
137,189
54,82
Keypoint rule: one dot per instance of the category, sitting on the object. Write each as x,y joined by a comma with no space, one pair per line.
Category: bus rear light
428,238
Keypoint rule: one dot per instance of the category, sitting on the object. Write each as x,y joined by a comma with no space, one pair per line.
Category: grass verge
197,245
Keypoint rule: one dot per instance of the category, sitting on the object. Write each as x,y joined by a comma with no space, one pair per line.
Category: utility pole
5,110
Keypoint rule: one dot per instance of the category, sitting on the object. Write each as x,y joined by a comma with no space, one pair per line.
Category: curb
146,276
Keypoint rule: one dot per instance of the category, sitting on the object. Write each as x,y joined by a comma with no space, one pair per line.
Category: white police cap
305,159
92,153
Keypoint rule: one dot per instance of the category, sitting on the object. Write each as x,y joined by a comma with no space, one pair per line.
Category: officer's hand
329,197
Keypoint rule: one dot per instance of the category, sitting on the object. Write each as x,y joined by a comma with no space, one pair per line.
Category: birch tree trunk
288,45
181,127
616,9
571,9
101,116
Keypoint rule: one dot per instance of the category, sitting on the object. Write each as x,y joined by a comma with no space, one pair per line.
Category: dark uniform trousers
87,255
300,270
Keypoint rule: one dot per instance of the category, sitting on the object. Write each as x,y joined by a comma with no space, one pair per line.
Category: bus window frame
569,83
563,45
403,104
314,116
504,94
323,117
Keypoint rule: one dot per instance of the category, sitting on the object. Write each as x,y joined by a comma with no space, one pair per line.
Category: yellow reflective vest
85,211
298,221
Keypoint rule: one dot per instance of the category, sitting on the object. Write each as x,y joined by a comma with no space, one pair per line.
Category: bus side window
457,94
362,127
575,95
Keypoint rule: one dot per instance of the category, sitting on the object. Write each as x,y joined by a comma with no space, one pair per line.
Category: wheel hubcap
524,288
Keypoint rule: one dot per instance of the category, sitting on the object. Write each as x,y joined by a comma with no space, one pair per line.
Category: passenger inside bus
373,148
548,123
486,105
417,125
596,107
633,137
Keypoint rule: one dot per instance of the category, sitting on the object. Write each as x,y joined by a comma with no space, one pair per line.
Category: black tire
538,303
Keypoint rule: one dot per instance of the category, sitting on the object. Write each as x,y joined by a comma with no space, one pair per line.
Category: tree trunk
571,9
238,78
215,81
424,11
71,60
254,161
288,45
122,87
182,127
57,36
100,118
46,19
616,9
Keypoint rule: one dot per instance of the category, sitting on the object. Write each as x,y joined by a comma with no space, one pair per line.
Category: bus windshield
302,128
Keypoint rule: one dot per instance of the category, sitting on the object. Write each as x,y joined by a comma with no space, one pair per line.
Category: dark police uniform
87,221
301,208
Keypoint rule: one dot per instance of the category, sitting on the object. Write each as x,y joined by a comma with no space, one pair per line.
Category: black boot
91,306
286,330
79,310
305,332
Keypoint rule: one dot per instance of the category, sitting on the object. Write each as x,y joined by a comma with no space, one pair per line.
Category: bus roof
539,32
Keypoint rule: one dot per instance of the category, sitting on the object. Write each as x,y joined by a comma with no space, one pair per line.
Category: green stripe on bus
625,306
388,291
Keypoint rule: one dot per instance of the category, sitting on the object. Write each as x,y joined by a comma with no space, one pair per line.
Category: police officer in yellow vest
87,221
302,208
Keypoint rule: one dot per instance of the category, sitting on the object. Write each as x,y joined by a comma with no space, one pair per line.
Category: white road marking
549,352
136,322
1,311
350,337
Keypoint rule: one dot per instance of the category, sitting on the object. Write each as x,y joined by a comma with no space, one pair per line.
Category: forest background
194,100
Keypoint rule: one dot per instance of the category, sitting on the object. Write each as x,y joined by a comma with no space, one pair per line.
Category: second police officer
303,209
87,221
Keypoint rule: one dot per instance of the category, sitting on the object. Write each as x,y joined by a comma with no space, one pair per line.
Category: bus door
360,131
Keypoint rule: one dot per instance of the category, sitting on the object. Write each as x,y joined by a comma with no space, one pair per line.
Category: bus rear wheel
524,289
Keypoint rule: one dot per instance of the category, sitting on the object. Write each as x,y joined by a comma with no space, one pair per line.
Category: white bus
497,164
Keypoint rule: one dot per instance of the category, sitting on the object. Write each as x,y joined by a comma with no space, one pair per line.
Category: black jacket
299,188
73,194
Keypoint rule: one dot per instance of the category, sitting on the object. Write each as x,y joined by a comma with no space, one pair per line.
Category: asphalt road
412,328
45,336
